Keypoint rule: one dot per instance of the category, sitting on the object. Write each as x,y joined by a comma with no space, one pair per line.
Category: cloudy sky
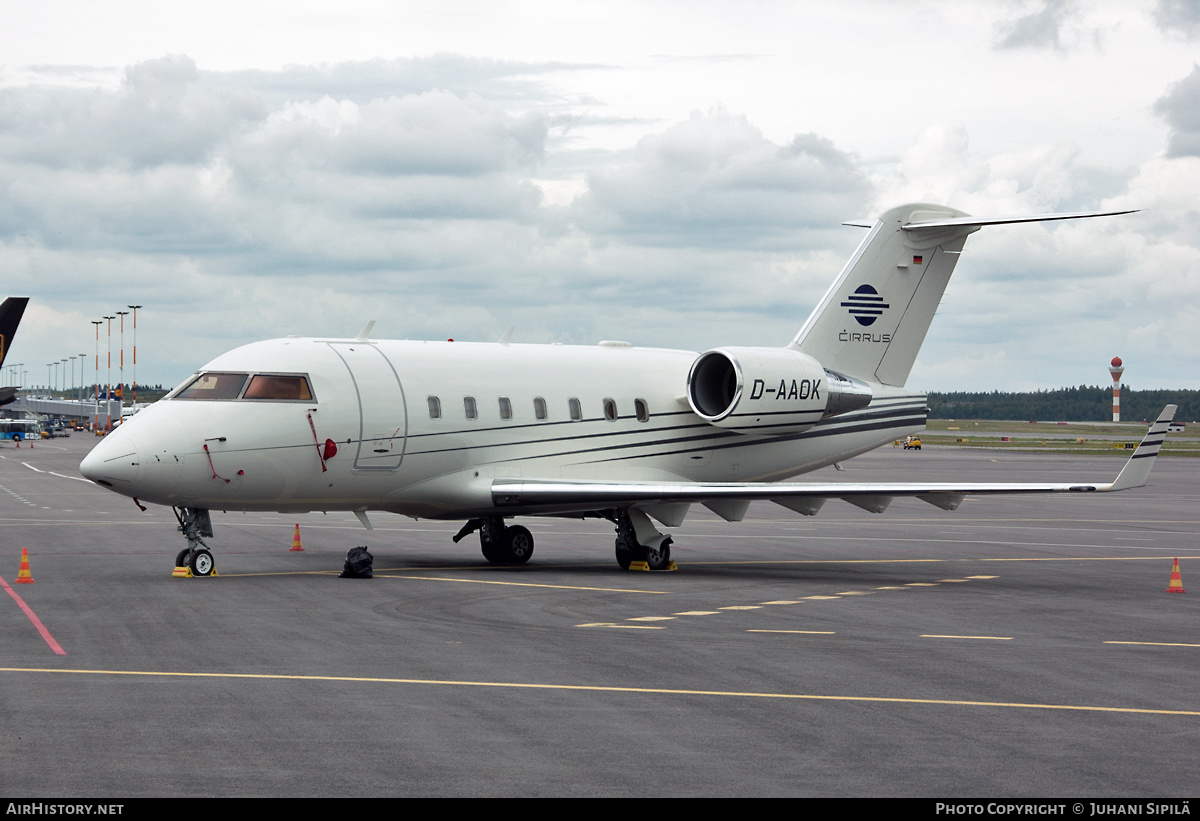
669,173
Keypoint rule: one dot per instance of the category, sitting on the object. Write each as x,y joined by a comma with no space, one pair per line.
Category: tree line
1086,403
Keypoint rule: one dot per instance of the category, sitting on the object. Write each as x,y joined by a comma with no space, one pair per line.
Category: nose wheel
193,524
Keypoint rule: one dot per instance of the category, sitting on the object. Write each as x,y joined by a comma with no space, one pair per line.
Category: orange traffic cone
1176,585
296,546
23,576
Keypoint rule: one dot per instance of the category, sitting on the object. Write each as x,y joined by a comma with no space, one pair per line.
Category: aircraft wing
531,496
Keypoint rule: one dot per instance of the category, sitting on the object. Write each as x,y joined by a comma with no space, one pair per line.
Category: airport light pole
122,314
96,404
134,308
81,360
108,380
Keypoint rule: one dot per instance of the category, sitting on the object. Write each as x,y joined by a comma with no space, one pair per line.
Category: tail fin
11,311
873,319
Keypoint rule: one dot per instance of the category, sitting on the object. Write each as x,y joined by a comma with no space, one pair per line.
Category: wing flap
531,496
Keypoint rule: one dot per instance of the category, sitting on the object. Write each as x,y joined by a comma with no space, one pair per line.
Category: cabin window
575,409
281,388
214,386
610,410
505,408
539,407
469,407
435,408
641,410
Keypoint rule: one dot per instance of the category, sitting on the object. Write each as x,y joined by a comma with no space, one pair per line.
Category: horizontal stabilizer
961,222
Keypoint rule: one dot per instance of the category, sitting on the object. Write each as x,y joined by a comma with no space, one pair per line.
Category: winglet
1137,469
365,332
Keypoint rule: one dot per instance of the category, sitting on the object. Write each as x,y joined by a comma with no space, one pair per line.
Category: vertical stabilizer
872,321
11,311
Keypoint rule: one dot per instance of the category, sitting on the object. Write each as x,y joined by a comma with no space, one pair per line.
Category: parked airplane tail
10,317
11,311
872,321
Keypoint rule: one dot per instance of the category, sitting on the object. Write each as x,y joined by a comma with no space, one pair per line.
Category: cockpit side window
271,386
214,386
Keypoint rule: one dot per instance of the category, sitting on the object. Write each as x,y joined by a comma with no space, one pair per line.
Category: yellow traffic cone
296,546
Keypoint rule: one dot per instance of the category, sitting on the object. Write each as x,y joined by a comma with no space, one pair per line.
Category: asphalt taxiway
1015,647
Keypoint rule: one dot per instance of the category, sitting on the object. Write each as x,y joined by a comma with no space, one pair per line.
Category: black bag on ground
358,564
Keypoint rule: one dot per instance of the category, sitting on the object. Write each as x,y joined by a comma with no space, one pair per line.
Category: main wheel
202,563
181,560
659,558
518,545
491,552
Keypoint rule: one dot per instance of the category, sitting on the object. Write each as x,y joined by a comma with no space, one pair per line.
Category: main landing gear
193,524
503,545
638,540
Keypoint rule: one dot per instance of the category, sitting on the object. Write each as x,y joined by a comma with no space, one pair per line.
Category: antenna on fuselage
366,330
507,335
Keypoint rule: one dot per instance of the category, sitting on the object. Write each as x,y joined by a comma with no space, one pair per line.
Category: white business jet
485,432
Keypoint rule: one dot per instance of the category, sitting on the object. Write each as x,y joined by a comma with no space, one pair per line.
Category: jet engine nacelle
768,390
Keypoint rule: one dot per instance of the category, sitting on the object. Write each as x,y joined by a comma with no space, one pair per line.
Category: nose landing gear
195,523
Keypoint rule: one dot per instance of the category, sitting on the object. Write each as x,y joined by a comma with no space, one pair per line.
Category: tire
490,552
518,545
202,563
181,560
659,558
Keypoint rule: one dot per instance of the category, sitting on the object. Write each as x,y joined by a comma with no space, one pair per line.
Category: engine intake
768,390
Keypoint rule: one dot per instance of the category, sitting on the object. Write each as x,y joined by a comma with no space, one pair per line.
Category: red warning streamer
210,466
317,442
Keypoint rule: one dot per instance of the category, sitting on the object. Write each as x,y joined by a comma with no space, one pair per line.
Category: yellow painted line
652,618
819,598
992,638
784,601
698,613
921,584
892,587
951,581
742,607
855,593
595,688
804,632
983,577
1158,558
522,584
622,626
1155,643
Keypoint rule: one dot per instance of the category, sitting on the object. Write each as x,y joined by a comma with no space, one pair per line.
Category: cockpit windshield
214,386
259,387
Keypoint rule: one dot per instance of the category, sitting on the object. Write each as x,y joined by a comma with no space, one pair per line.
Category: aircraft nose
114,462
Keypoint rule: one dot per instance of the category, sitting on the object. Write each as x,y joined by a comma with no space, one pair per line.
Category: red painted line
41,628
